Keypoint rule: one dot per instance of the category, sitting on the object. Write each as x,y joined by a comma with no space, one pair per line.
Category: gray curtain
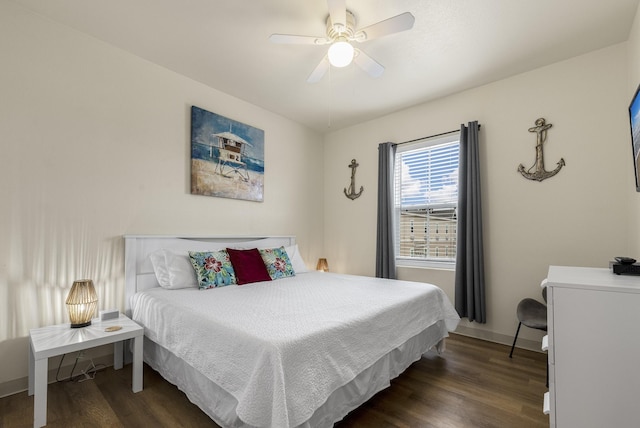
470,288
385,244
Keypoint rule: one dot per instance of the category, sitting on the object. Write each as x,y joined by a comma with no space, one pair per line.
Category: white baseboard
16,386
503,339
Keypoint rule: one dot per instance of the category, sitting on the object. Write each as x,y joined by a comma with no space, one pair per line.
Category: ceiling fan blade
398,23
319,71
368,64
338,14
297,40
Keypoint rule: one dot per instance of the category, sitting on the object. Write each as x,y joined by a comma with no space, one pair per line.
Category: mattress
279,351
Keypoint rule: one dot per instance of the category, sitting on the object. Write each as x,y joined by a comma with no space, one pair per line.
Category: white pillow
173,270
297,262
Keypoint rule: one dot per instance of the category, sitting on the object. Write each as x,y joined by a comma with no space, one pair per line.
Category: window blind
426,198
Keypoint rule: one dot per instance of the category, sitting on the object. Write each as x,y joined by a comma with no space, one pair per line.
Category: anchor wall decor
540,173
351,194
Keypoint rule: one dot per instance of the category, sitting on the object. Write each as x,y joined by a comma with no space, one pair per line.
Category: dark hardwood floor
472,384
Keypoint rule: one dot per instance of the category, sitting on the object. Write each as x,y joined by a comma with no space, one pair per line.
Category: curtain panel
469,283
385,243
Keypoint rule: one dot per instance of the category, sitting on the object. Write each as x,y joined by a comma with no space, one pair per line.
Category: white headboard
138,271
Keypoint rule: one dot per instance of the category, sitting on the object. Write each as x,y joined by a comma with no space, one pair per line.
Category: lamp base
84,324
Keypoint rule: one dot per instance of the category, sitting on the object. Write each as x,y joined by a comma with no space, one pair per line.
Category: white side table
61,339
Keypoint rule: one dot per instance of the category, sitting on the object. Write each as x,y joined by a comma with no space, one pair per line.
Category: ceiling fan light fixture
341,32
340,53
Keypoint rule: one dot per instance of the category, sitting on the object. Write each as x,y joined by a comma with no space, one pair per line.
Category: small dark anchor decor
540,173
351,194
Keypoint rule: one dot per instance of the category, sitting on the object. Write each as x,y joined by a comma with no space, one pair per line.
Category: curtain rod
432,136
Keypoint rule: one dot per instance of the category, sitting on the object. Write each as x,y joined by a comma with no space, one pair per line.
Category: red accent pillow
248,266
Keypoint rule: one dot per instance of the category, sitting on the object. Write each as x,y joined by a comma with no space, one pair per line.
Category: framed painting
227,157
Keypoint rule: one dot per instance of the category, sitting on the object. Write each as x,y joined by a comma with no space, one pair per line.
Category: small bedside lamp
323,265
82,303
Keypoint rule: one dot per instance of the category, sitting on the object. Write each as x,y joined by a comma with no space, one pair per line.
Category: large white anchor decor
351,194
540,173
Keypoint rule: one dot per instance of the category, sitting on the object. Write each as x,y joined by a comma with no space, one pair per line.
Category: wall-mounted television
634,120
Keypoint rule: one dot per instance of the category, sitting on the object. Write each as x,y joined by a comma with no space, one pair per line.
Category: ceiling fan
341,31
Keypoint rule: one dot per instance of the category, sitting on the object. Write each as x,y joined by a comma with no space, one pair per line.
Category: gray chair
532,314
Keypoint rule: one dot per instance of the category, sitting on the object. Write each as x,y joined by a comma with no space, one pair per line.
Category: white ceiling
454,45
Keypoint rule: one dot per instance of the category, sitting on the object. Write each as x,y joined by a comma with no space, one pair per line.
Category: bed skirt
220,406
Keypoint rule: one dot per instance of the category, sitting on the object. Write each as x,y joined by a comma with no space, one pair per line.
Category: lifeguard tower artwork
227,157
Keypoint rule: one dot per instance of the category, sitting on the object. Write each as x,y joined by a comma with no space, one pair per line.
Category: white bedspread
282,347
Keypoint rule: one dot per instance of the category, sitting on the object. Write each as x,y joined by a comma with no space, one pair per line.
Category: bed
301,350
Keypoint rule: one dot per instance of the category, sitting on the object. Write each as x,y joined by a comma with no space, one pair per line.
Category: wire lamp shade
323,265
82,303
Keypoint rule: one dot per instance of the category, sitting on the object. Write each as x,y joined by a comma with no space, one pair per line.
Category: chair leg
514,340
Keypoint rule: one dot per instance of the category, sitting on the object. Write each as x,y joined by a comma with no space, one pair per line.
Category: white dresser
593,348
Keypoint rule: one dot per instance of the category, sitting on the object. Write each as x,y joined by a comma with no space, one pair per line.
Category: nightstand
61,339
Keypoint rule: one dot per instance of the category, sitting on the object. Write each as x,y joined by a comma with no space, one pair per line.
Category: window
426,200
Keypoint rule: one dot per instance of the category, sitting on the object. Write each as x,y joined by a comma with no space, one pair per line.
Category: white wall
633,51
578,217
96,144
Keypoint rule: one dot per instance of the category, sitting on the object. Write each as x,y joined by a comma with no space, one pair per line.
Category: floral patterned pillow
277,262
213,268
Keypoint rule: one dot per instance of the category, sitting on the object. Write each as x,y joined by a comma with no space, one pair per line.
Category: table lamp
82,303
323,265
